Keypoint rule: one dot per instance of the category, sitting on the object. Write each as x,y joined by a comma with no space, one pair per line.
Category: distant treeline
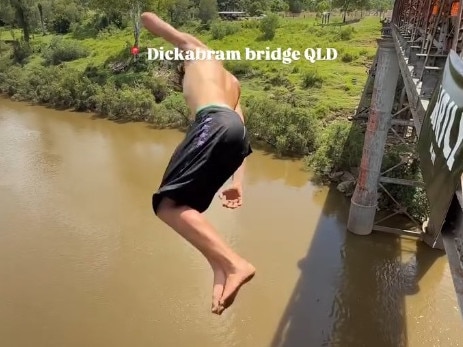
57,16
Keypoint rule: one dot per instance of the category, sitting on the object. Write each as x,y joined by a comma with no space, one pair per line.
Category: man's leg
230,270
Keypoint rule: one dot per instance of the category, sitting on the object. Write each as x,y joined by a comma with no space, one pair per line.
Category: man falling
214,149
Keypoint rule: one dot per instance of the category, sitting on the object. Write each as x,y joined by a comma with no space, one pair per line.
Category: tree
349,5
381,6
7,14
279,6
255,9
135,12
39,6
295,6
23,14
311,5
207,10
132,7
323,6
179,12
229,5
62,14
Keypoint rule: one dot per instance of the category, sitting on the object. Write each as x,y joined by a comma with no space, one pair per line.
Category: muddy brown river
85,263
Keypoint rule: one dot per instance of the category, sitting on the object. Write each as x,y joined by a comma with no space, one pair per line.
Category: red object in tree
135,50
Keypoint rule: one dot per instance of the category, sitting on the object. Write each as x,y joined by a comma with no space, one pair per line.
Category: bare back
205,81
208,82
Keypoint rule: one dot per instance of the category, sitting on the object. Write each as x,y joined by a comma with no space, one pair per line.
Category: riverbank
290,104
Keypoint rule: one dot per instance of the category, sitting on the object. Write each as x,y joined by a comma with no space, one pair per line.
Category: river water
85,263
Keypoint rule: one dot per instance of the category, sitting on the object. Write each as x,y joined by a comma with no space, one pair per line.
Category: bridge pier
365,198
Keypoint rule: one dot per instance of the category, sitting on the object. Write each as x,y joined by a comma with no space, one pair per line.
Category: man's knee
171,212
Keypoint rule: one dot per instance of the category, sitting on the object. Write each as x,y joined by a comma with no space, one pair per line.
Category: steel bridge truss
424,33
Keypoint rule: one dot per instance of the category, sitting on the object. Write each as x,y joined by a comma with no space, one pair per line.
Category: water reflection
352,290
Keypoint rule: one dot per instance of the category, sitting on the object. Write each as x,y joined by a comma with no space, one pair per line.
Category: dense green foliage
79,57
58,15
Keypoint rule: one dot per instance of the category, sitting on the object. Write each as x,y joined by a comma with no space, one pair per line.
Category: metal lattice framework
424,32
415,46
434,25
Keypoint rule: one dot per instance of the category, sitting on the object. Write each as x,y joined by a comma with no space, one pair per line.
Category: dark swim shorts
213,149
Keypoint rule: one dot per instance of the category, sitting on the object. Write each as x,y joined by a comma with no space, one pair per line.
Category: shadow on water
352,289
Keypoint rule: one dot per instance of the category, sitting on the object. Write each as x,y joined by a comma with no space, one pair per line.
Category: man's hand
232,197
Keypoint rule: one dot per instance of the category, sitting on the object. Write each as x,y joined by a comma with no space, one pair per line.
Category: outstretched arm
238,176
158,27
232,197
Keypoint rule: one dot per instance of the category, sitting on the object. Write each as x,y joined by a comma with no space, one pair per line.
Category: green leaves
207,10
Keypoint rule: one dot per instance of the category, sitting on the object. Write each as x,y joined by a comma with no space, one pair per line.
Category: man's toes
229,295
215,308
227,302
218,309
215,302
217,289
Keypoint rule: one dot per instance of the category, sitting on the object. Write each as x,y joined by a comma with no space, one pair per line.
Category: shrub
311,79
345,34
279,79
107,32
60,25
338,147
21,52
83,30
5,63
240,68
251,24
60,50
268,26
61,87
172,112
290,130
96,74
157,86
348,57
13,81
363,52
4,47
220,29
125,104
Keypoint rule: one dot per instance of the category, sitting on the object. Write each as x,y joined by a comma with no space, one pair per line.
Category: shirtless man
214,149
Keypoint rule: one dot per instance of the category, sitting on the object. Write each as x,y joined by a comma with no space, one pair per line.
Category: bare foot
240,275
217,290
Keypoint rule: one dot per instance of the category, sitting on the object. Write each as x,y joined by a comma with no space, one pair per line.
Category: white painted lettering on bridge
445,124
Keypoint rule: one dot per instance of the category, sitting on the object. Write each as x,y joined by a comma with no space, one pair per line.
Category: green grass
342,81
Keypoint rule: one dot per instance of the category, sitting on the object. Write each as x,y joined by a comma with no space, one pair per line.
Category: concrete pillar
365,198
